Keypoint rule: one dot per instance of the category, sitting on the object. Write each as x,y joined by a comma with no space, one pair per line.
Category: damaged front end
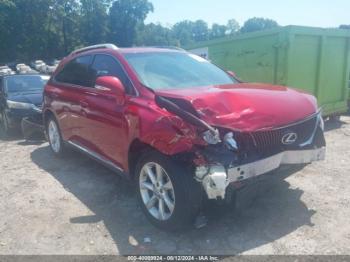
231,156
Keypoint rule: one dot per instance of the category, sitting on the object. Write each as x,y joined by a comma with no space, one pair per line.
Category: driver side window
77,72
105,65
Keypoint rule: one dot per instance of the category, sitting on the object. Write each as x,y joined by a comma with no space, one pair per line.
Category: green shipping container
313,59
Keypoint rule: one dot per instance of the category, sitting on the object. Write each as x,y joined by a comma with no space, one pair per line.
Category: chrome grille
273,138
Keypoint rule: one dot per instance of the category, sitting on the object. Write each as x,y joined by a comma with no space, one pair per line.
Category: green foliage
218,31
93,21
188,32
232,27
154,35
48,29
257,24
182,31
344,27
125,16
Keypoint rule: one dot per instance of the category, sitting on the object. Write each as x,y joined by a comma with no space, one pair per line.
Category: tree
187,32
200,31
232,27
27,24
94,19
344,27
7,11
45,29
154,35
37,29
217,31
257,24
124,17
182,31
63,27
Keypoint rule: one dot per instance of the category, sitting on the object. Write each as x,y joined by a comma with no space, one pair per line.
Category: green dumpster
313,59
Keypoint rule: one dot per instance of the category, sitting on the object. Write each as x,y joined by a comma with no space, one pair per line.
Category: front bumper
15,116
220,174
33,128
269,164
218,177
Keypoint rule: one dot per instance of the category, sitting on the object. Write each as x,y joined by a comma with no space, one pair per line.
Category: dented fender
164,131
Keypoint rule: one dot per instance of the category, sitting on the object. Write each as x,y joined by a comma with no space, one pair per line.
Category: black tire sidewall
187,192
4,127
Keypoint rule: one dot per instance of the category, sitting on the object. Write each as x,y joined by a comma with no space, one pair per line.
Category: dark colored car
20,96
183,129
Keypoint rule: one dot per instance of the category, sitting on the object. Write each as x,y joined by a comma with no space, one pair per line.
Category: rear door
67,91
106,122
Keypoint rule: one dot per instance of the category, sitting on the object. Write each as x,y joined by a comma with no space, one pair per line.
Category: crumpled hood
31,98
247,106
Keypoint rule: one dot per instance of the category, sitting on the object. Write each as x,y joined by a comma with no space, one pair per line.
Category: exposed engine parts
214,182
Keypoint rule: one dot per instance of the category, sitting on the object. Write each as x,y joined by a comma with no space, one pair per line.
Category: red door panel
105,126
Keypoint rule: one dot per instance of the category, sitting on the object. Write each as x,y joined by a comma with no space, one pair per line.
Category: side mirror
231,73
111,85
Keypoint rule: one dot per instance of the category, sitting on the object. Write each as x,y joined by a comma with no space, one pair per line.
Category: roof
129,50
148,50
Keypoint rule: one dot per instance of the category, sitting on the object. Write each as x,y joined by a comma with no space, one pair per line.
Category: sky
318,13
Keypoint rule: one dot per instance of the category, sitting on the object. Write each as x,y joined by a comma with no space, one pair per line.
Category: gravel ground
76,206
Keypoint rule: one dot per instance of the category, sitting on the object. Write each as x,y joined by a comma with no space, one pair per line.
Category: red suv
183,129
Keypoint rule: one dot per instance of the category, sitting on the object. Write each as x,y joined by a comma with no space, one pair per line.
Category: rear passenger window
105,65
77,72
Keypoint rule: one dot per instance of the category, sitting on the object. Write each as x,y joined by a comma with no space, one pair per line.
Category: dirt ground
76,206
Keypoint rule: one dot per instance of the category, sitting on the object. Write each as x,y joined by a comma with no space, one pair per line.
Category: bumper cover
33,128
269,164
218,178
15,116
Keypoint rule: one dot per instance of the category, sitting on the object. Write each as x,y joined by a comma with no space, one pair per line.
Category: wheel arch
136,149
46,116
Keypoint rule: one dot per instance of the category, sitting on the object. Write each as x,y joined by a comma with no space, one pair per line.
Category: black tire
60,152
4,125
188,192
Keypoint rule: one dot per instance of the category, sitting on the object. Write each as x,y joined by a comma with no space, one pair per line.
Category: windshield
175,70
25,84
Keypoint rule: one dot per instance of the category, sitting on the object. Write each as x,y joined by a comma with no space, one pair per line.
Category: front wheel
54,137
168,195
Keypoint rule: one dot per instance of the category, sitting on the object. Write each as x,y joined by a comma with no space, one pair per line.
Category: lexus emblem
289,138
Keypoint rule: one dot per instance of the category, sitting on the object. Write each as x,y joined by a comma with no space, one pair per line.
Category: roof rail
92,47
170,47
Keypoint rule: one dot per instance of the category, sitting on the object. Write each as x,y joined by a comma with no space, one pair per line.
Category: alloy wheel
54,136
157,191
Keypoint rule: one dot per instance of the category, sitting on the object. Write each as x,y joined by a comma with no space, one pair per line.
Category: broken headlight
201,172
212,137
230,142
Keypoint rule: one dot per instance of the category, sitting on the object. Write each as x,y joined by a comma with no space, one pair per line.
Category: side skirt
107,163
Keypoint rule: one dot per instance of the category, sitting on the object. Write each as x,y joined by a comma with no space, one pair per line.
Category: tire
177,194
54,137
4,125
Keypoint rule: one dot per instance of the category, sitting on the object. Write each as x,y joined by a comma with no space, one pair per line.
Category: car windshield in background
175,70
25,84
